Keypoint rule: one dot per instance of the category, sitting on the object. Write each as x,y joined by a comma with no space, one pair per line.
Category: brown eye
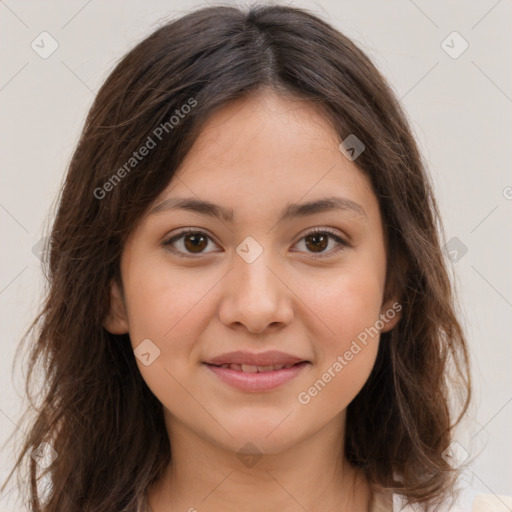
188,243
195,243
317,242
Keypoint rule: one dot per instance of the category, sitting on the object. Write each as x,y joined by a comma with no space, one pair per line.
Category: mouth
256,379
251,368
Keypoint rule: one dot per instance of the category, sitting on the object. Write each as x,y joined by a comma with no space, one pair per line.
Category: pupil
195,239
318,247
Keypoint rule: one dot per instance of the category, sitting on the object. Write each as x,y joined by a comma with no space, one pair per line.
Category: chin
262,436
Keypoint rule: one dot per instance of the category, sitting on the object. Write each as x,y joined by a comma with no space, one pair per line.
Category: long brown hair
93,407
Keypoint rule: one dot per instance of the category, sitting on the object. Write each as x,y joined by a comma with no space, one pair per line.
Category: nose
256,296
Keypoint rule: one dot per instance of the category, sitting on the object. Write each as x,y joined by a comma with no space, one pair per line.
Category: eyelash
168,243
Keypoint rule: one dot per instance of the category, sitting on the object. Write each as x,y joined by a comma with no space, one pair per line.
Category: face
307,282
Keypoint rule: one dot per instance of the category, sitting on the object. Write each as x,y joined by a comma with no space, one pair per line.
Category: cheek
347,309
164,297
171,307
345,305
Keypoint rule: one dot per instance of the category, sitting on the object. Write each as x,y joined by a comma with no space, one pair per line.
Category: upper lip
271,357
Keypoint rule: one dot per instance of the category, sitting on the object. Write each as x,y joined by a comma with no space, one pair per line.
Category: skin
256,156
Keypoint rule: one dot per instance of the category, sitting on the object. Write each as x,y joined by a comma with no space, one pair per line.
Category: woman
248,304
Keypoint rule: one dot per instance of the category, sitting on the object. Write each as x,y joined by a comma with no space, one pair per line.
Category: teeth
250,368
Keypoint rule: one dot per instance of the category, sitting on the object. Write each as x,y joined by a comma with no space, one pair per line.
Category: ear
116,320
390,314
391,309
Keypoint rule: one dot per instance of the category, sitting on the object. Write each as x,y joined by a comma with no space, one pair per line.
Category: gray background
459,109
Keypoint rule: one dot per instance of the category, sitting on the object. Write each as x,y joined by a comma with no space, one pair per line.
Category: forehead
265,151
264,126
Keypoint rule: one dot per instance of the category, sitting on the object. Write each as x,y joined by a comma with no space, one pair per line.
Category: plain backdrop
458,102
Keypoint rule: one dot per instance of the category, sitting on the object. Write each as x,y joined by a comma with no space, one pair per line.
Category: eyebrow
289,212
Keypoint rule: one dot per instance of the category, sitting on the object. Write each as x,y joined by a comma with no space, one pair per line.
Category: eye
318,240
190,241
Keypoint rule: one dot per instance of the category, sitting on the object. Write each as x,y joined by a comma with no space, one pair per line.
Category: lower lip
255,382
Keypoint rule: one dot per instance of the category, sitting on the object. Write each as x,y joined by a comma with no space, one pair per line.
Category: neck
313,475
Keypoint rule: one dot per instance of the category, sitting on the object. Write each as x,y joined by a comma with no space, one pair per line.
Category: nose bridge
255,296
254,279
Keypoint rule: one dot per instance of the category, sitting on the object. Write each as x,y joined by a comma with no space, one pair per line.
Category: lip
271,357
257,382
